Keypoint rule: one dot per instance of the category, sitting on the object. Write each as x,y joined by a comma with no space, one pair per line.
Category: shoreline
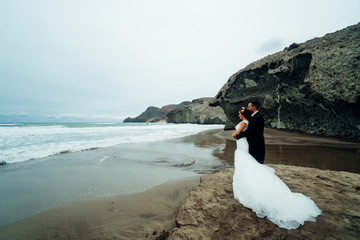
149,214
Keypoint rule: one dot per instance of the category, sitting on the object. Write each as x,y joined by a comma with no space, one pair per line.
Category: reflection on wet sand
289,149
338,159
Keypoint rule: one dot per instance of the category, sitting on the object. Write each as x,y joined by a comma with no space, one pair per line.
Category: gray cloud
271,46
115,58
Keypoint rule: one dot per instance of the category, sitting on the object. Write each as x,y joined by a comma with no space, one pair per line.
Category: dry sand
211,212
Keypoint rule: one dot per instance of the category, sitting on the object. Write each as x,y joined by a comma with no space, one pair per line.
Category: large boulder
199,111
313,87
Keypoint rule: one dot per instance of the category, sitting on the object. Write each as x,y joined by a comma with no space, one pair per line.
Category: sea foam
22,142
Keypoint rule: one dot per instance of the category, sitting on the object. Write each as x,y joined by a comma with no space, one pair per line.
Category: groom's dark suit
255,137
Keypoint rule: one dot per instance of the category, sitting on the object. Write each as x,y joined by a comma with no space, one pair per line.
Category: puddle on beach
338,159
321,157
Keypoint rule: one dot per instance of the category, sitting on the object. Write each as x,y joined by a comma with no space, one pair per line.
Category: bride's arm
241,127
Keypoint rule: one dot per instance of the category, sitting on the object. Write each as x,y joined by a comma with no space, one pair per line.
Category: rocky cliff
313,87
155,114
199,111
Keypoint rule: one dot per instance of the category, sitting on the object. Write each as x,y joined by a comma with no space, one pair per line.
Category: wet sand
296,149
135,216
145,215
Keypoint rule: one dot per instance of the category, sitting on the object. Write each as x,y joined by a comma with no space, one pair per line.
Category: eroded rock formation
199,111
313,87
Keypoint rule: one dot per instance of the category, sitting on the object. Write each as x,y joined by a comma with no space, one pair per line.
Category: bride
257,187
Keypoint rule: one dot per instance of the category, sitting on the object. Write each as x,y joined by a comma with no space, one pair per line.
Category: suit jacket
255,137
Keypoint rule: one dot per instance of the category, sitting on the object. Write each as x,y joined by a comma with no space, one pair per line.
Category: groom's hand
237,137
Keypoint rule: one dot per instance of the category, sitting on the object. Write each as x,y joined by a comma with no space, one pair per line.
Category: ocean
21,142
49,165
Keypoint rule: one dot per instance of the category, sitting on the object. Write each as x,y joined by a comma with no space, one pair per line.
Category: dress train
257,187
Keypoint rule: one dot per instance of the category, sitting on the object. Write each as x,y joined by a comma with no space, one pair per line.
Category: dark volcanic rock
313,87
199,111
155,114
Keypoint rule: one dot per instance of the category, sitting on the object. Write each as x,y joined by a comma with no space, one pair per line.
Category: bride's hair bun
247,113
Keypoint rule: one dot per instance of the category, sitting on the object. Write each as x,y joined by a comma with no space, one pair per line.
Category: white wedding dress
257,187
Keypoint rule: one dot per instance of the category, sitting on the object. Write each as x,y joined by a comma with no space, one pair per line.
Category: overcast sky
117,57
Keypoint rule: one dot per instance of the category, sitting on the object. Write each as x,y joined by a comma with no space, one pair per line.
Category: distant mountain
197,111
155,114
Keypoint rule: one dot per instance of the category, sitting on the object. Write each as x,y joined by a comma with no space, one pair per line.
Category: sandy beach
135,216
151,214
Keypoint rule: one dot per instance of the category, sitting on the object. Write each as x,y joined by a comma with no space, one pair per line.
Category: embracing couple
255,184
254,132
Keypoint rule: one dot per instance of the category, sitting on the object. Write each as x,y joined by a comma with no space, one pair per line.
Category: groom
255,133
